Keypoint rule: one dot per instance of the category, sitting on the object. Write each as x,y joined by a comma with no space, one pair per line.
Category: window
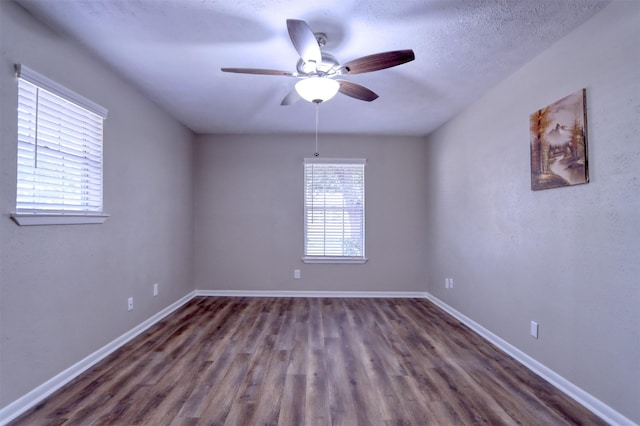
59,176
334,210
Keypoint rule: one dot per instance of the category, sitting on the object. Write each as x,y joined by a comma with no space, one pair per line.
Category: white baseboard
32,398
314,294
593,404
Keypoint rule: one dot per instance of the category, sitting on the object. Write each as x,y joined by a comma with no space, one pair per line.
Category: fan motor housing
328,64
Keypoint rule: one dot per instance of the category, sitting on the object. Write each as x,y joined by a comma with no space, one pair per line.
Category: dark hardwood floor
268,361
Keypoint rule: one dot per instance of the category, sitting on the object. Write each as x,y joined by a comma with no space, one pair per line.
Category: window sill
30,219
328,259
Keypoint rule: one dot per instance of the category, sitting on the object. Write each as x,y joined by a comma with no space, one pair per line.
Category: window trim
28,217
334,259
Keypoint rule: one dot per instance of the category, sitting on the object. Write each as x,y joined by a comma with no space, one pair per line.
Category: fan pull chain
316,154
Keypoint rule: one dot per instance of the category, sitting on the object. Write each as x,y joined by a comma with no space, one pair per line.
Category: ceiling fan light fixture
317,89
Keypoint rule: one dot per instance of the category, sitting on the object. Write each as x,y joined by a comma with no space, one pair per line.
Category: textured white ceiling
173,51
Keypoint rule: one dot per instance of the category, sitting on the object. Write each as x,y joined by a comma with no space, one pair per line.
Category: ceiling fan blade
304,40
260,71
291,98
356,91
378,61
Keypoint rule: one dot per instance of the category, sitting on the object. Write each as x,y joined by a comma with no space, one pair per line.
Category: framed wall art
559,143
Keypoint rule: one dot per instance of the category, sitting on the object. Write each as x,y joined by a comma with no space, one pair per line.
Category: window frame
329,258
78,215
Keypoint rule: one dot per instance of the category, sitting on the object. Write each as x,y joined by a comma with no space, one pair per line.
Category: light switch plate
534,329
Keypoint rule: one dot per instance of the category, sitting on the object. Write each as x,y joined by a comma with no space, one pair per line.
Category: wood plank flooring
286,361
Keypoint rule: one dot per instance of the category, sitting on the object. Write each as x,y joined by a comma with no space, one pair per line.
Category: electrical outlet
450,282
296,274
534,329
130,304
155,289
446,283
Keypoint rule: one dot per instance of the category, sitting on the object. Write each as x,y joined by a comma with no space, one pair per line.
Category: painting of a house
559,143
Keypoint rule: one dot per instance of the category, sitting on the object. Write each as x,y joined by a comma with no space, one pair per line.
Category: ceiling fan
317,70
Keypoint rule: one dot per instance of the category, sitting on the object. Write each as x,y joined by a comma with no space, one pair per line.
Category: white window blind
59,149
334,207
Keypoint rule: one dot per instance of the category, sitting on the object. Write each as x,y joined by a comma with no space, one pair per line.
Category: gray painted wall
249,214
64,288
567,258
